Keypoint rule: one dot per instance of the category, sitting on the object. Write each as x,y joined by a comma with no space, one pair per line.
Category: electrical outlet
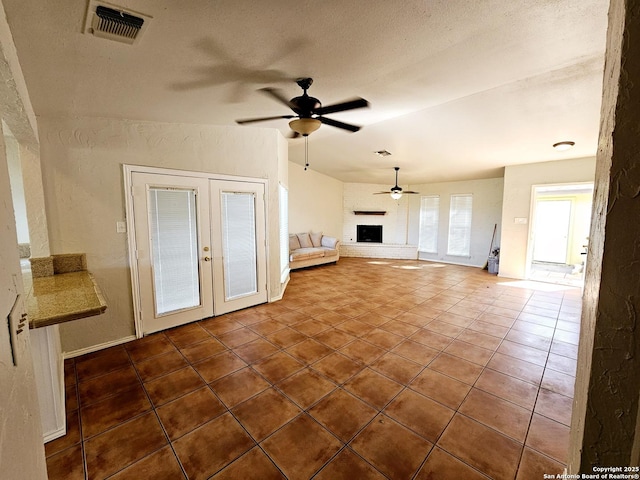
520,220
121,227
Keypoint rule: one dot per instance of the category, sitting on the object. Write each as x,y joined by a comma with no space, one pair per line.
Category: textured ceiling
458,89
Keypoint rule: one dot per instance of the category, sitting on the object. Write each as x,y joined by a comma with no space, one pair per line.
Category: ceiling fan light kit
396,192
305,126
309,112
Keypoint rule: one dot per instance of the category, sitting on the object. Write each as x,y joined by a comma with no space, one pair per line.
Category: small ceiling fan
309,112
396,191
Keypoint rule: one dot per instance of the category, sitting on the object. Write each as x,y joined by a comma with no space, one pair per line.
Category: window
429,217
460,225
284,232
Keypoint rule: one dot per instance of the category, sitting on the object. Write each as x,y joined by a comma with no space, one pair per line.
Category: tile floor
368,369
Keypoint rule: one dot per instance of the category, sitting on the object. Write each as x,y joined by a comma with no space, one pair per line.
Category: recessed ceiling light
562,146
382,153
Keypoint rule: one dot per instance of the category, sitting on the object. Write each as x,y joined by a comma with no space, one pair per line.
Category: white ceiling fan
396,192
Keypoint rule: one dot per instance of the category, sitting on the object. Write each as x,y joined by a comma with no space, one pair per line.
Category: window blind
174,243
239,244
460,225
284,232
429,218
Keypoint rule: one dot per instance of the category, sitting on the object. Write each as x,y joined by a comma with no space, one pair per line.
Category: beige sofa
309,249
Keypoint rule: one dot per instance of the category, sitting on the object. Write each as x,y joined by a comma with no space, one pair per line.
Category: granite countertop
61,298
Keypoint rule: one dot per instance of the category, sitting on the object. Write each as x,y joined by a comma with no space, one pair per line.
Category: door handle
207,259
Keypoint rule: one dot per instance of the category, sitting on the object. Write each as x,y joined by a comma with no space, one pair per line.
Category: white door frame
131,240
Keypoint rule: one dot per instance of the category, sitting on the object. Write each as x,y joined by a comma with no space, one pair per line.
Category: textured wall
82,170
604,423
21,448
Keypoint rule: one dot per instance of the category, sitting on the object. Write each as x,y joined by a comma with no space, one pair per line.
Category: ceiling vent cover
114,23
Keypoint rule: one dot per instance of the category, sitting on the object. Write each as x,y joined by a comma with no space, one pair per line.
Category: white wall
82,169
487,209
518,183
315,202
361,197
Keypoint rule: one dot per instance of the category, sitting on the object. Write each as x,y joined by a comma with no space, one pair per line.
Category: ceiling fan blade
277,95
382,193
411,192
262,119
341,107
335,123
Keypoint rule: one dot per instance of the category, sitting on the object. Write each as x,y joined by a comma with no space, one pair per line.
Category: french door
239,243
199,248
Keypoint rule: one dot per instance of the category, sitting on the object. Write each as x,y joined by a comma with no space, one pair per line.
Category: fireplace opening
369,233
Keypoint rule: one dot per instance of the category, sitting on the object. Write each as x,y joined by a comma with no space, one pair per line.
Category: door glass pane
174,243
551,231
239,244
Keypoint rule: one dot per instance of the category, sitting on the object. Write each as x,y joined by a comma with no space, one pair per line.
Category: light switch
520,220
121,227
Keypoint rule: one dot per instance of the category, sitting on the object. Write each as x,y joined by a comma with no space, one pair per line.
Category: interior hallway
366,369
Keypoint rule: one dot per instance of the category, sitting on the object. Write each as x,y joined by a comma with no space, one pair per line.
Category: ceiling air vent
114,23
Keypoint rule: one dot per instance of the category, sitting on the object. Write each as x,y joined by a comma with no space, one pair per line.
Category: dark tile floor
367,369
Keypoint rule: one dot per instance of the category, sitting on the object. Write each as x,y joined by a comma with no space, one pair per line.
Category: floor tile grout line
387,350
535,403
158,419
456,412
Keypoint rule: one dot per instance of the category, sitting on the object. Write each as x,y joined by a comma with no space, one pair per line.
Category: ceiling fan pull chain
306,152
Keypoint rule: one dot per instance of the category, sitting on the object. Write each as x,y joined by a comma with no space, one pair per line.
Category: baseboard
62,431
95,348
283,287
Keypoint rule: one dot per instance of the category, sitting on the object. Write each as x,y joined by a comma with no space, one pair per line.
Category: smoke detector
114,23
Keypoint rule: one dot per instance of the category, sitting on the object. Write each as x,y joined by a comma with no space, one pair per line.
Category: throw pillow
294,244
305,240
316,239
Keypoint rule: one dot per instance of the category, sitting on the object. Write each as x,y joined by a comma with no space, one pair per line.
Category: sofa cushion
306,254
316,239
329,242
294,243
330,252
305,240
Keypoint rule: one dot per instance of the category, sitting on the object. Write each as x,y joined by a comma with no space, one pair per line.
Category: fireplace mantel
369,212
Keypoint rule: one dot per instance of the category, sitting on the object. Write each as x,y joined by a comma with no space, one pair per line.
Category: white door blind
284,232
174,243
460,225
239,244
429,218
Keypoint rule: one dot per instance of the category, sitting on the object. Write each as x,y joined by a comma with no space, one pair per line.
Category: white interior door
551,234
172,239
239,245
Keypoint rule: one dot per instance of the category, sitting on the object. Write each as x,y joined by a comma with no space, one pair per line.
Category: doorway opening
559,233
